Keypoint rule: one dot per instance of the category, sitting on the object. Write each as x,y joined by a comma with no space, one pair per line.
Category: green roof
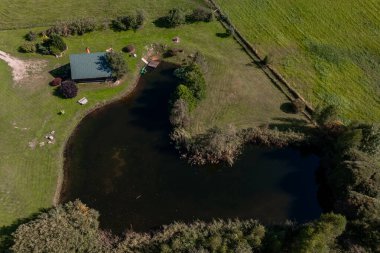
89,66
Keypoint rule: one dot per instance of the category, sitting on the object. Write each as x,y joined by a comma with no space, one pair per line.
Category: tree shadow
63,72
287,107
103,64
162,22
293,124
6,240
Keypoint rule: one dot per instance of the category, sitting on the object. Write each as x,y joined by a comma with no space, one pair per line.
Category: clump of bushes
28,47
68,89
201,14
117,63
74,27
56,81
193,78
298,105
134,21
56,44
176,17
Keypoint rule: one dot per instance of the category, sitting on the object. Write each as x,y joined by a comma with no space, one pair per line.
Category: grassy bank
237,93
327,50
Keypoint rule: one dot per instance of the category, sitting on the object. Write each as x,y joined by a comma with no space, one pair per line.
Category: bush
134,21
179,116
28,47
184,93
201,14
56,81
193,78
176,17
117,63
298,105
56,44
31,36
68,89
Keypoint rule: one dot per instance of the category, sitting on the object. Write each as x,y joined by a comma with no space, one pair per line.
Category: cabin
90,67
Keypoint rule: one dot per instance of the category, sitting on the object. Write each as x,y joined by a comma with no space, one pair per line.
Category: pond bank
120,162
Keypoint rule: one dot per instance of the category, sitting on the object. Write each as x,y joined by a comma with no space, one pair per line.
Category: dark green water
120,162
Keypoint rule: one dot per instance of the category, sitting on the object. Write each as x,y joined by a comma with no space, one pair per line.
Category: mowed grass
328,50
237,93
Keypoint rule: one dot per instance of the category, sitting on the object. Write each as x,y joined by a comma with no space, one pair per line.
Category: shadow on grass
287,107
285,124
162,22
6,240
62,72
223,35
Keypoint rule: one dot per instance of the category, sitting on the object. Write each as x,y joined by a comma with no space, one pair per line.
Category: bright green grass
237,93
32,13
329,50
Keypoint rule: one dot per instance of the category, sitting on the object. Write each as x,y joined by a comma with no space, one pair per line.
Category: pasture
237,93
328,50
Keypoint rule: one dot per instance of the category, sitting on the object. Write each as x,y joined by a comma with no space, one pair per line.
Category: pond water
120,162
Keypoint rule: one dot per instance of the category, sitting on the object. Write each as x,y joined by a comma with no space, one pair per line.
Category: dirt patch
22,69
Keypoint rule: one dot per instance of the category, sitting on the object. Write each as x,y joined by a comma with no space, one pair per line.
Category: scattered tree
201,14
31,36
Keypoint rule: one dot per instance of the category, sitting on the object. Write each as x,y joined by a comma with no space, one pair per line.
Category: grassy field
237,93
329,50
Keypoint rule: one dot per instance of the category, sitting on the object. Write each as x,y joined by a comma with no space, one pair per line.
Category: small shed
90,67
153,64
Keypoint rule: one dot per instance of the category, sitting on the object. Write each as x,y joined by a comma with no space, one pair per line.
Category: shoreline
62,172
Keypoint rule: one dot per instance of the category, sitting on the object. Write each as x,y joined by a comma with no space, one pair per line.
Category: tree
319,236
184,93
370,142
56,44
72,227
68,89
176,17
117,63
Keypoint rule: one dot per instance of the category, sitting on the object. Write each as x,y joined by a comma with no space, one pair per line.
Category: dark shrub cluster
193,78
134,21
178,16
117,63
68,89
74,27
201,14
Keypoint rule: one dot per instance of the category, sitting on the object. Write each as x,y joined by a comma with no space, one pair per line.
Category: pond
120,162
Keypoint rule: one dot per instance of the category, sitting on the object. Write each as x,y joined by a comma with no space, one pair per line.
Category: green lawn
329,50
237,93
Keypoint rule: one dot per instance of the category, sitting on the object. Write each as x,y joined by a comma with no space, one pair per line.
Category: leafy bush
325,116
184,93
176,17
31,36
134,21
68,89
117,63
28,47
56,44
298,105
201,14
56,81
193,78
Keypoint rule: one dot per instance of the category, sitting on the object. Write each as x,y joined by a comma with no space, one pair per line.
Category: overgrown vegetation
74,227
72,27
134,21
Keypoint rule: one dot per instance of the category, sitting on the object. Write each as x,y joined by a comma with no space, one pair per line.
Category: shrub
298,105
179,116
56,81
184,93
134,21
193,78
117,63
325,116
266,61
68,89
31,36
176,17
42,49
56,44
201,14
28,47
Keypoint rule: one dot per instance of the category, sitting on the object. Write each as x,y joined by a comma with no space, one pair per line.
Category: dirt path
22,69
